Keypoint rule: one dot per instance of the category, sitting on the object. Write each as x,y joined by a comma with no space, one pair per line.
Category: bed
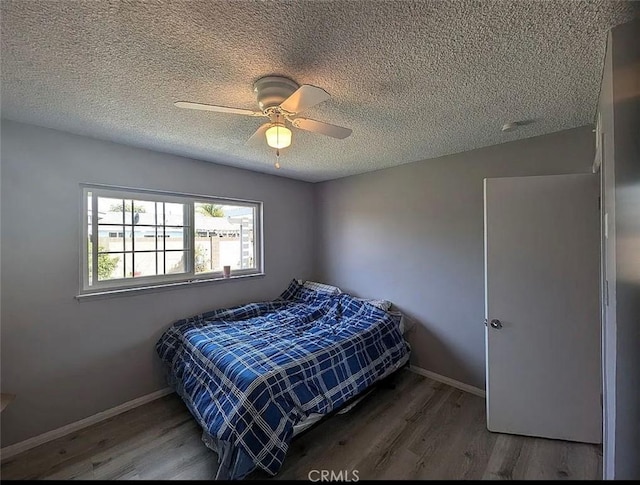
255,375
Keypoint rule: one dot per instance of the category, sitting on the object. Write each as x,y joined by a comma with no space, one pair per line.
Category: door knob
495,323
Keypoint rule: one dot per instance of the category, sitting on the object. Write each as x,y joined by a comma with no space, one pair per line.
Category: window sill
96,295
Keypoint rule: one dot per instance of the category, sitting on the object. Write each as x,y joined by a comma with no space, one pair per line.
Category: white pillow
321,287
382,304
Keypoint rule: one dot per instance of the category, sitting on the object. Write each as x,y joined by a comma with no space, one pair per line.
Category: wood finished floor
409,428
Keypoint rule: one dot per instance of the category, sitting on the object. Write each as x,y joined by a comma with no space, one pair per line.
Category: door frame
607,317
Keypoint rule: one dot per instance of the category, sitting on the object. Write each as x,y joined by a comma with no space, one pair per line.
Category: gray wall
67,360
413,234
625,49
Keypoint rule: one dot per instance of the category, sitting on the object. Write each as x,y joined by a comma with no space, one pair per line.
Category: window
138,238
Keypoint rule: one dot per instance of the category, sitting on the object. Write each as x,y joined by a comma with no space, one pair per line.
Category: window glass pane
145,212
110,266
175,261
174,238
204,250
145,264
224,235
230,254
145,238
210,210
128,238
245,220
128,265
160,238
110,238
110,211
160,259
174,214
160,212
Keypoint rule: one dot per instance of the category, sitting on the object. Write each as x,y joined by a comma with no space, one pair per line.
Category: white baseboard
447,380
12,450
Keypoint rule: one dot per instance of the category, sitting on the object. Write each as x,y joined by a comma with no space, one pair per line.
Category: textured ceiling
414,80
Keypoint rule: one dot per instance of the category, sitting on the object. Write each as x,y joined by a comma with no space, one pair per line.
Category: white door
542,306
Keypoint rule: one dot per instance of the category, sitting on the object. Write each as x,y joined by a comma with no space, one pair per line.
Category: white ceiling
414,80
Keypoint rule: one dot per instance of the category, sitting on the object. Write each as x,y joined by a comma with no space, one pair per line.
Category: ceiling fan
280,99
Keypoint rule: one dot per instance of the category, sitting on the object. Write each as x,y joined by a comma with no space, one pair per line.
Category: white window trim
127,285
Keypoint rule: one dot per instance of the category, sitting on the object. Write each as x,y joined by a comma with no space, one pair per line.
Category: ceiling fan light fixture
280,100
278,136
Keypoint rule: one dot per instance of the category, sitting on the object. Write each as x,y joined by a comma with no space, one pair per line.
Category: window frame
121,285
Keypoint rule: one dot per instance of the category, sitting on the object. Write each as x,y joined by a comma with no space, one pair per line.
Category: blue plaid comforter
249,373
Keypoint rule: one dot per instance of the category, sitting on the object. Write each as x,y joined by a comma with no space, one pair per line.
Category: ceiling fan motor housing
271,91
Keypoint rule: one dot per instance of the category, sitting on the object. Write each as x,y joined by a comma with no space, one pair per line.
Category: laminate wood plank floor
410,427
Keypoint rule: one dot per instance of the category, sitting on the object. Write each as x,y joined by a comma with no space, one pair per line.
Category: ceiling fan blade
304,97
321,127
219,109
258,134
